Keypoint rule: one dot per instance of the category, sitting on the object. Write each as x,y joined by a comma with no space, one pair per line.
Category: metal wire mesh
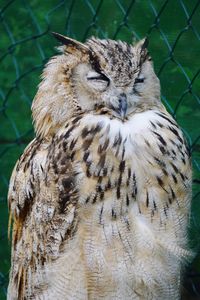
172,27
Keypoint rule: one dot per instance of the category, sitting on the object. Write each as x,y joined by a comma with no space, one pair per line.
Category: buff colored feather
100,199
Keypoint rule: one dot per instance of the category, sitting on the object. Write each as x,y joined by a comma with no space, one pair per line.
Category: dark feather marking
25,210
134,186
147,199
87,143
129,176
125,247
170,200
160,125
100,179
68,183
87,199
114,215
85,132
123,151
127,200
160,182
127,223
176,133
63,160
174,178
41,167
105,145
102,160
172,192
173,143
88,174
160,138
160,162
97,128
119,186
188,150
72,155
64,144
108,186
182,176
76,119
174,167
92,130
154,205
85,156
183,160
99,188
72,144
105,171
58,156
67,134
162,149
147,143
118,140
27,164
94,199
101,195
18,166
63,202
165,211
166,118
122,166
100,215
173,152
21,282
154,126
118,192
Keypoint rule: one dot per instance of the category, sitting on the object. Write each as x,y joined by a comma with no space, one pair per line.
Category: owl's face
118,76
100,76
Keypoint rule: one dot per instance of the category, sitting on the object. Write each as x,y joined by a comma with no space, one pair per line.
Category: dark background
173,29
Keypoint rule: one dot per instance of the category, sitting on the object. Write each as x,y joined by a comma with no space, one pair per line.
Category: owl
100,199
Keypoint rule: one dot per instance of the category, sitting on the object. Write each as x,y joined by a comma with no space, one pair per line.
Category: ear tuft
145,43
141,48
70,42
142,44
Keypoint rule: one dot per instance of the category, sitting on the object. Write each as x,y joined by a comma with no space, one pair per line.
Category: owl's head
99,76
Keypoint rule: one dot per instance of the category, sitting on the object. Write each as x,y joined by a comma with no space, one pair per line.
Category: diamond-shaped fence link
173,29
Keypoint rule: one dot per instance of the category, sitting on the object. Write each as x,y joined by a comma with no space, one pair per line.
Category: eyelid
139,80
99,77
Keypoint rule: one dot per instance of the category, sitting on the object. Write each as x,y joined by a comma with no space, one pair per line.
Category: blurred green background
173,29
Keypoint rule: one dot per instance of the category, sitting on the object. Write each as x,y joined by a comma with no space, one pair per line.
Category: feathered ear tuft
71,42
141,47
145,43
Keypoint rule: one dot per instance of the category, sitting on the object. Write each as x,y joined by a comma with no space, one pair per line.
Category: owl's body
101,197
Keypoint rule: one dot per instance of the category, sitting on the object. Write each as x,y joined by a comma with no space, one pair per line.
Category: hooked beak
122,108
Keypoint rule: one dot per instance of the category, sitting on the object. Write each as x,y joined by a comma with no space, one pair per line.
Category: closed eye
98,76
139,80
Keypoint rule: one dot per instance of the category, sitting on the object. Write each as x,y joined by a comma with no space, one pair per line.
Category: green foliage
26,44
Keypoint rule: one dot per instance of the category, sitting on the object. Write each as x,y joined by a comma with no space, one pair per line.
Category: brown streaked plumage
100,199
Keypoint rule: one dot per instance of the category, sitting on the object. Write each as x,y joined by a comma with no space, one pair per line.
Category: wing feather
42,201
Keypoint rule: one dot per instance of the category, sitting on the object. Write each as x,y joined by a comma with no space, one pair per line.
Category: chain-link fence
173,29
